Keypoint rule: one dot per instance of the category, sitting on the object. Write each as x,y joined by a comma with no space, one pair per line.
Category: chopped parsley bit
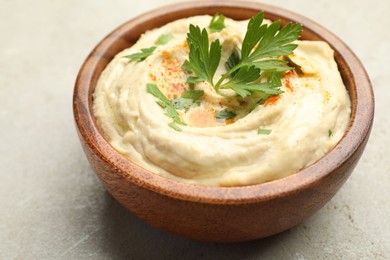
217,23
164,103
263,131
225,114
188,99
155,91
164,39
174,126
140,56
182,103
330,133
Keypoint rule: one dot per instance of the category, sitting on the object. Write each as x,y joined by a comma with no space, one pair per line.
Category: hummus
302,124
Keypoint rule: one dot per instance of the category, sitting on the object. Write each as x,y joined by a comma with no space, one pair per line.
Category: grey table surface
53,206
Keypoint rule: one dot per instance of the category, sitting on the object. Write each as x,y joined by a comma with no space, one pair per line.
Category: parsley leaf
155,91
273,42
263,131
164,39
203,60
140,56
225,114
255,30
188,99
164,103
274,78
217,23
298,68
175,126
172,113
194,94
182,103
272,65
330,133
245,81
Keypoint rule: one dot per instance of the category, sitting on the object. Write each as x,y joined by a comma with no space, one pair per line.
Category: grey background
52,204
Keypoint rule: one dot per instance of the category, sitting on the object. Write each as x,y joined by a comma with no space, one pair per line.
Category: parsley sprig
164,103
254,68
188,99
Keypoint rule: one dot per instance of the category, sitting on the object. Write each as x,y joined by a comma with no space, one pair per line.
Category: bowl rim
357,134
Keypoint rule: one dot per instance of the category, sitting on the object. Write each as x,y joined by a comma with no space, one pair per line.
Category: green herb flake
225,114
262,131
172,113
174,126
165,104
155,91
164,39
141,56
188,99
217,23
182,103
330,133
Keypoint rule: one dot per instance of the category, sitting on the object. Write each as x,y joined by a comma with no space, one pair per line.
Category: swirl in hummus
302,124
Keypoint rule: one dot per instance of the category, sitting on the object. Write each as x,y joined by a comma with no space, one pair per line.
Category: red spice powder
185,44
229,121
165,54
152,76
272,100
287,82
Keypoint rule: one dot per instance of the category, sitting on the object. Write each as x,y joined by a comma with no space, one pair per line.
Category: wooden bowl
214,213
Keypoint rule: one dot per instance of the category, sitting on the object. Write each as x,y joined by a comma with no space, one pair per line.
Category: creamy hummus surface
303,123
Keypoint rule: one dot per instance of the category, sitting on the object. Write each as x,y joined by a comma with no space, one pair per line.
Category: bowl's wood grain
222,214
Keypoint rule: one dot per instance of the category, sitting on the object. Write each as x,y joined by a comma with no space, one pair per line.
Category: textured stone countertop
53,206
